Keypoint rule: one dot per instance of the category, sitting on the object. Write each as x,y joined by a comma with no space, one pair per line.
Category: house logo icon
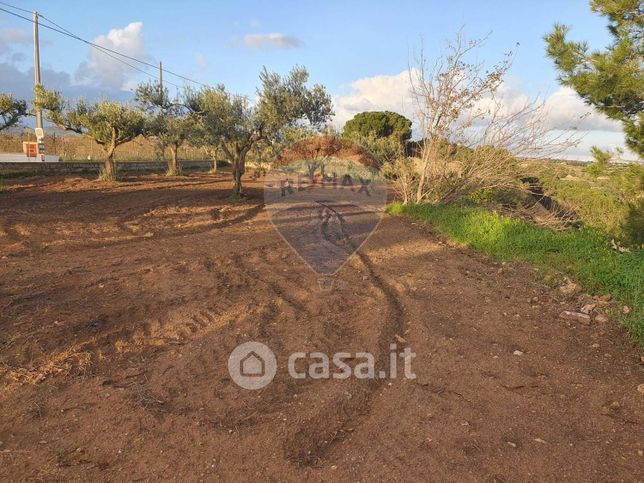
252,365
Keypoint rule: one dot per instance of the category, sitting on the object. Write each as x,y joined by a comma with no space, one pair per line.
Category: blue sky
340,42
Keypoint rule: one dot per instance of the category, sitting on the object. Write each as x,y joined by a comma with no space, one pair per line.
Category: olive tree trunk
173,166
239,168
109,168
238,171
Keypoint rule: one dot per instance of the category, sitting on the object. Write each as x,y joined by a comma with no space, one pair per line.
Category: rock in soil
575,316
588,308
570,288
601,318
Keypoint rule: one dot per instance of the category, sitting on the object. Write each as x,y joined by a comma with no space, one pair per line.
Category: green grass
584,254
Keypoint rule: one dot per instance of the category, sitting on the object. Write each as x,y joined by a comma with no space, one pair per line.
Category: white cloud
378,93
105,71
276,40
200,60
11,37
20,83
565,109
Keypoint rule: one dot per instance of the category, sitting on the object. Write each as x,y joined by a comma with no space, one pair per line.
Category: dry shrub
470,138
326,147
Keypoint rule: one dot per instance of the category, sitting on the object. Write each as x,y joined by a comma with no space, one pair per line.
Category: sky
359,50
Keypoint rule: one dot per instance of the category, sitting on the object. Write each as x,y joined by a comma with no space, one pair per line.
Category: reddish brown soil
119,306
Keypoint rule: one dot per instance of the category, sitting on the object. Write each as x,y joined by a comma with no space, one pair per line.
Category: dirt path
119,307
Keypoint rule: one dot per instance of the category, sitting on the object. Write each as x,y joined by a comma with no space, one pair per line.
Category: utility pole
40,134
161,96
161,77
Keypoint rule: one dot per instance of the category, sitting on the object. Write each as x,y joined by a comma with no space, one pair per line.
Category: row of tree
469,138
222,123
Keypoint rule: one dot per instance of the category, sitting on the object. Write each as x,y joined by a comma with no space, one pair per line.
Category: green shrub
606,198
585,254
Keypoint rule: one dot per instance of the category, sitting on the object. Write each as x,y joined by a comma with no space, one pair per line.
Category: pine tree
611,80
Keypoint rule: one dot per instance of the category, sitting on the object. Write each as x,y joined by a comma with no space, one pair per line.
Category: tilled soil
120,304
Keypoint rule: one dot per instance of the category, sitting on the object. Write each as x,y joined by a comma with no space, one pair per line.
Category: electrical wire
98,47
107,51
17,8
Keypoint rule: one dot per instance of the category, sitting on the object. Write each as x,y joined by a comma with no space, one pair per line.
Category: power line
17,8
107,51
61,30
102,49
95,46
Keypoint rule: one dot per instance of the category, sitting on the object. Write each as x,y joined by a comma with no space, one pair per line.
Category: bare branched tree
470,138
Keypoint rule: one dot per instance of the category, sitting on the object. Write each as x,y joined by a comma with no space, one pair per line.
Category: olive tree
204,134
167,121
108,123
11,111
236,124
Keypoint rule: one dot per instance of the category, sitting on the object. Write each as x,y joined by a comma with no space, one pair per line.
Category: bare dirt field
120,304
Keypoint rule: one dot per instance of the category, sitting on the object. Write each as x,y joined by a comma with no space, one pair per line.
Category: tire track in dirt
247,215
317,434
185,330
130,215
263,321
83,355
259,310
9,226
124,194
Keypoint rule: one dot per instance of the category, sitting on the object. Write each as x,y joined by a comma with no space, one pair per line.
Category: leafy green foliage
234,124
585,254
385,136
612,80
108,123
378,124
168,121
609,201
11,111
601,157
385,150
